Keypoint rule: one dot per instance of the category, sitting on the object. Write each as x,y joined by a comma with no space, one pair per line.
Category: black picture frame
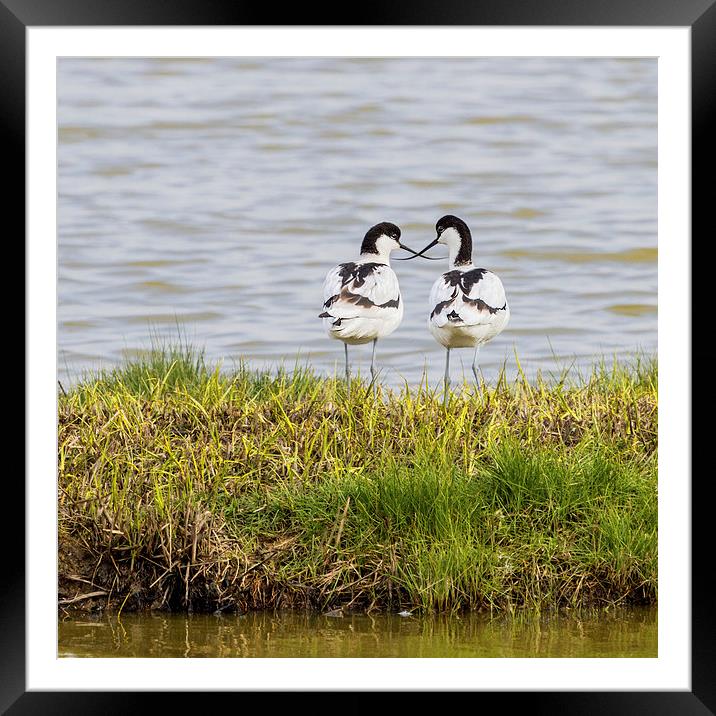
699,15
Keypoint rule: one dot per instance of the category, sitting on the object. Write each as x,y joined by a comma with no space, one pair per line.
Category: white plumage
362,301
361,298
468,306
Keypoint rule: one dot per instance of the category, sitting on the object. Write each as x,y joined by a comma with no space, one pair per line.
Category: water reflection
613,633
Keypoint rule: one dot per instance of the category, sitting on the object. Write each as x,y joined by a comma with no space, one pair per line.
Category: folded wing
364,290
467,298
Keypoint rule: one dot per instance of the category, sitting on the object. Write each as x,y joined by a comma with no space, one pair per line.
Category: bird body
362,301
468,306
361,298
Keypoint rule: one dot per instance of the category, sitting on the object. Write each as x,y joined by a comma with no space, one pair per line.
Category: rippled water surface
615,633
214,195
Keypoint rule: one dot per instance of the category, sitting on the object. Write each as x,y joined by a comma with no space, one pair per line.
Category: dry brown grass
183,488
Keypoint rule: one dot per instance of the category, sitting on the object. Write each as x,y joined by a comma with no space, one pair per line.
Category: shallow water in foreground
615,633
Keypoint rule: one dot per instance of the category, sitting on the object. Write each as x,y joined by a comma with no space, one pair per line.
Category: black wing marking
362,286
462,284
356,273
364,301
464,279
442,305
358,300
480,305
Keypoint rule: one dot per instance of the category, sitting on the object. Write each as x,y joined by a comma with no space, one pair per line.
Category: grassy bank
184,487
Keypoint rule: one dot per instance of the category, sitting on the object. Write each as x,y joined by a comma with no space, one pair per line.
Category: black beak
407,248
420,253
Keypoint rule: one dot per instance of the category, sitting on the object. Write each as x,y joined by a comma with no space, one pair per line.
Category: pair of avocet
362,300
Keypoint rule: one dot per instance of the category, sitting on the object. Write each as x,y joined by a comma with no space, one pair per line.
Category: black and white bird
468,304
361,298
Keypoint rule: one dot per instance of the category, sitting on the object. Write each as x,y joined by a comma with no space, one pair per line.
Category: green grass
181,486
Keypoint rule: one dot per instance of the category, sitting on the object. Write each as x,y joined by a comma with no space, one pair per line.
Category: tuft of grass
185,487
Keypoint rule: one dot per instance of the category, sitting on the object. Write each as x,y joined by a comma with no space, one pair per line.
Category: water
618,633
213,194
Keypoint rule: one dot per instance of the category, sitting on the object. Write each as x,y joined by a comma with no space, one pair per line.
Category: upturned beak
420,253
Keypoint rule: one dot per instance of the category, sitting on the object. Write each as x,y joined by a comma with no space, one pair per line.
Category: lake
208,197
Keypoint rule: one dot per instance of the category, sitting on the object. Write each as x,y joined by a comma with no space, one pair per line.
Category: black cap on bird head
385,228
464,255
449,221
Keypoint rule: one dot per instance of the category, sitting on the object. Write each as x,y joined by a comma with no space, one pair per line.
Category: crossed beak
420,253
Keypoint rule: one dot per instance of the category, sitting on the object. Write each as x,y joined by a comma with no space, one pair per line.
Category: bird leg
372,364
474,364
348,373
447,375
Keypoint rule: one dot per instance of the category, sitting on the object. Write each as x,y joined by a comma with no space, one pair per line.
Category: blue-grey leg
372,366
348,373
372,360
447,375
474,364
